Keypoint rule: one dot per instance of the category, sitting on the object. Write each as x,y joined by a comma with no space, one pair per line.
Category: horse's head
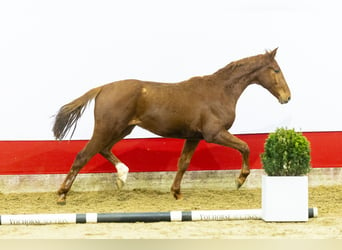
271,78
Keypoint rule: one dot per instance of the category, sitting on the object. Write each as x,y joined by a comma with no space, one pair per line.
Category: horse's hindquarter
117,102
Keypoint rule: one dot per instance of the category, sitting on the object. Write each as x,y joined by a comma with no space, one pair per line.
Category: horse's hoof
177,195
61,201
119,184
238,183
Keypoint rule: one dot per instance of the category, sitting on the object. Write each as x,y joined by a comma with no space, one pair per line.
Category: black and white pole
196,215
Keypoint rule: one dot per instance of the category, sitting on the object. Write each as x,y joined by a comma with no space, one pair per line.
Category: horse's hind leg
82,158
99,143
121,168
183,163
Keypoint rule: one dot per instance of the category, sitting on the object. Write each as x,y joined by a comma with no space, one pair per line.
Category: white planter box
285,198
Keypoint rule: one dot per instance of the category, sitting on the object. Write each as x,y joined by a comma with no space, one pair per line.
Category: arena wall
31,166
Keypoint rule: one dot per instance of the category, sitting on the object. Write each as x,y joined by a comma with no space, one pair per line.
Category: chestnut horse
195,109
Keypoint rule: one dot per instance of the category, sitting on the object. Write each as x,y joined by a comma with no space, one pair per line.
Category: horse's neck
231,86
237,76
235,89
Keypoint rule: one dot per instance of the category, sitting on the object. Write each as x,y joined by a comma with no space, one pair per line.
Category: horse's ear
273,53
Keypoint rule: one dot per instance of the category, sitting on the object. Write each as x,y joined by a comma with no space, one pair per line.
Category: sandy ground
327,199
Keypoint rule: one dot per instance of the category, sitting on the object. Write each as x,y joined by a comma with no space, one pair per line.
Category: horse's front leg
183,163
223,137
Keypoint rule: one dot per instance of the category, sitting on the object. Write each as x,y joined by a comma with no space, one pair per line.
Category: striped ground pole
196,215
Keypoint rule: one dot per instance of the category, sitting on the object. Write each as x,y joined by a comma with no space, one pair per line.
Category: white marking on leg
122,170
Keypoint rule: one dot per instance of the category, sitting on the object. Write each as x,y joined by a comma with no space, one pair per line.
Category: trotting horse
195,109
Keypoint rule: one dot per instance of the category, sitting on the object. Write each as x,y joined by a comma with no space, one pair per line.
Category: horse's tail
69,114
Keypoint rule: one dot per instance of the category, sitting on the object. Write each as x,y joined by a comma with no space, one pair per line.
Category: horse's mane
244,66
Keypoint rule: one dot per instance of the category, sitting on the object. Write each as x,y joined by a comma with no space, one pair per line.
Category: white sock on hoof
122,171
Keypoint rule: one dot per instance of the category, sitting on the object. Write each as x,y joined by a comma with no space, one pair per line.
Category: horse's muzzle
284,100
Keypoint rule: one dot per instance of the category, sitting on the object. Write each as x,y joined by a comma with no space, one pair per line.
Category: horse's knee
244,149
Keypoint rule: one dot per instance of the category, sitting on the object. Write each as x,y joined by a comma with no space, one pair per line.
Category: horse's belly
171,129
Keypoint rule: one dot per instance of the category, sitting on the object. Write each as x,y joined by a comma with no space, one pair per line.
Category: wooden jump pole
195,215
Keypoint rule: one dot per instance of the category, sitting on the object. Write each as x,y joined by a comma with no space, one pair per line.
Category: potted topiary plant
286,162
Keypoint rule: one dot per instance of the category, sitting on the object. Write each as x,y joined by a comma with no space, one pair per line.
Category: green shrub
287,153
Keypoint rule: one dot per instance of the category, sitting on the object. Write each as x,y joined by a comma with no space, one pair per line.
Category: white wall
53,51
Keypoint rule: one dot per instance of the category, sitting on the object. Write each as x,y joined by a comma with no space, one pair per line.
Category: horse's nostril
284,100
